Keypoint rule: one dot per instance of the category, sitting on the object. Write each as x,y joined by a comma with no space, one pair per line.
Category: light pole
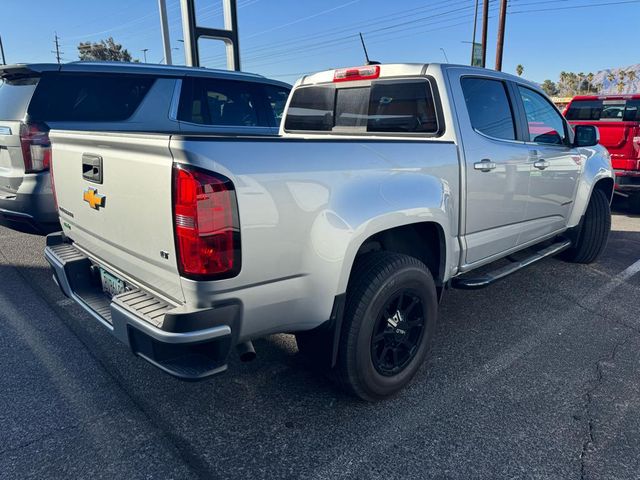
144,51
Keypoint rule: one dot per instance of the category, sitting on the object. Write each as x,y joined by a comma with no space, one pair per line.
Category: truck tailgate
114,197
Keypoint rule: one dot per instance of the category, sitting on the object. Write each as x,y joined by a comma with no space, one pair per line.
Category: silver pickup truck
387,185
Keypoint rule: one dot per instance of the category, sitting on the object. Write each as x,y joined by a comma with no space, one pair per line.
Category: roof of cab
19,70
412,69
608,96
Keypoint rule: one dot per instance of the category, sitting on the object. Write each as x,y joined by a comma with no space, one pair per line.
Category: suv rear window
231,103
15,96
604,110
88,98
386,106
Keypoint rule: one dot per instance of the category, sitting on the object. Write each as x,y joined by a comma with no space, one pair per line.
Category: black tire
594,232
363,368
315,346
634,203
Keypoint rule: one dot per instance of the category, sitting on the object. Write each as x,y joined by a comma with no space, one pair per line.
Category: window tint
605,110
402,107
544,122
277,98
88,98
227,103
489,107
311,108
384,107
15,96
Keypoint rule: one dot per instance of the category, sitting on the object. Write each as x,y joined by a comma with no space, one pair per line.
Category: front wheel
594,232
389,322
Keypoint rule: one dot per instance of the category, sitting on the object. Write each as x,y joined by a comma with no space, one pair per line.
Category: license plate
111,285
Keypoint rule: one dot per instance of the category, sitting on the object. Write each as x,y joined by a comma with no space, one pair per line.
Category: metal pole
4,62
475,28
485,26
189,33
57,48
145,50
500,46
231,24
166,39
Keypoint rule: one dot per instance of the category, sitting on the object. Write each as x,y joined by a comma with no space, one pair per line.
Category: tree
519,70
631,75
590,81
104,50
550,88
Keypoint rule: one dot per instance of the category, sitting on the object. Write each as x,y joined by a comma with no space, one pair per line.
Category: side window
489,108
544,122
216,102
277,99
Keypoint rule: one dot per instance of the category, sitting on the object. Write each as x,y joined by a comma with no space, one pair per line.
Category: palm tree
519,70
620,87
621,76
589,80
631,75
611,77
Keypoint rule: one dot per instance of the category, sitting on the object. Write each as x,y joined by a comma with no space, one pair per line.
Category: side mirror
586,136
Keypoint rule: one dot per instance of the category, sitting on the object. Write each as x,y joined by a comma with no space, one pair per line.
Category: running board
474,283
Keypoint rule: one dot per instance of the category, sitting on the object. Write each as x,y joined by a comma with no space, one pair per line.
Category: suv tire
594,232
389,322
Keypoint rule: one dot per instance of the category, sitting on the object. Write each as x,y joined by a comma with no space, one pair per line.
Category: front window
544,122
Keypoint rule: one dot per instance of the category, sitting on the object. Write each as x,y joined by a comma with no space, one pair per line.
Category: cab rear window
604,110
88,97
386,106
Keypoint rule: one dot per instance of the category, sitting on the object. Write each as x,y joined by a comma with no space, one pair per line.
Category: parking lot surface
534,377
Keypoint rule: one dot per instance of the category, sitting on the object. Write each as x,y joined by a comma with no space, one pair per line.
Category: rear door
555,166
114,198
497,165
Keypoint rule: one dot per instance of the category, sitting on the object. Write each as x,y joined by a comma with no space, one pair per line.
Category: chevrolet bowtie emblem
93,198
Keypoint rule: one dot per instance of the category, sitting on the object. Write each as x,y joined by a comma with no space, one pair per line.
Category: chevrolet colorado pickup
113,96
618,120
388,184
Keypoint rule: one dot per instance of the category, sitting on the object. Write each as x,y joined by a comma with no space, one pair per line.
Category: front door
555,167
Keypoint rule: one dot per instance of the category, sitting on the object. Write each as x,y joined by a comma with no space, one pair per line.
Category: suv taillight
206,224
36,147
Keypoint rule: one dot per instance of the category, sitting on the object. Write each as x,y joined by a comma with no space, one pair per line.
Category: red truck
618,119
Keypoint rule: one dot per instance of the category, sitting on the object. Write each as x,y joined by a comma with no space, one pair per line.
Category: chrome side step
486,279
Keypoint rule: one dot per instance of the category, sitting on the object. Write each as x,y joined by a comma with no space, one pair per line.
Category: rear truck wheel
634,202
594,232
390,318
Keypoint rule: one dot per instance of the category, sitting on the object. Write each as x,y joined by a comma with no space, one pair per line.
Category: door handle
485,165
541,164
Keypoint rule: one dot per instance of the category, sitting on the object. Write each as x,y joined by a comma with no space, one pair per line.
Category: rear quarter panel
307,205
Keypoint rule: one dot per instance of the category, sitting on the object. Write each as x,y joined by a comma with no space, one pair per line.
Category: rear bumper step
486,279
191,346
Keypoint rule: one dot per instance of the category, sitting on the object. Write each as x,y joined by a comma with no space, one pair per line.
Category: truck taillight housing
36,147
207,230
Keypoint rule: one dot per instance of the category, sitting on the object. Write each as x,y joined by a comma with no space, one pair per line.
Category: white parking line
629,272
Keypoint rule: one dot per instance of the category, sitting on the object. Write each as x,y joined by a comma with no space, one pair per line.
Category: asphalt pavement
534,377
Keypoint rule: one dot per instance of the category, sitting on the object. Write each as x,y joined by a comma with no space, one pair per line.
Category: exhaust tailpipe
246,352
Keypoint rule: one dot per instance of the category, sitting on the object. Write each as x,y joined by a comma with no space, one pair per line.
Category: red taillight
206,224
358,73
36,147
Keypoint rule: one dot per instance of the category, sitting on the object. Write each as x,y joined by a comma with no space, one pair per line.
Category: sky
285,39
